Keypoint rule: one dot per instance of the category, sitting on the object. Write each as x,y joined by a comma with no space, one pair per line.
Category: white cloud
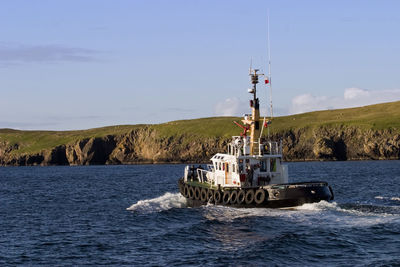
10,54
354,93
229,107
352,97
235,107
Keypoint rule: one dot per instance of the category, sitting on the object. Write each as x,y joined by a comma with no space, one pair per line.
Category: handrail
202,175
236,147
210,167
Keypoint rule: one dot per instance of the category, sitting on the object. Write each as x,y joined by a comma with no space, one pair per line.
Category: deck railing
205,176
271,148
240,146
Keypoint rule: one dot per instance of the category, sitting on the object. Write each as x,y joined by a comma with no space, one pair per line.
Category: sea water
134,215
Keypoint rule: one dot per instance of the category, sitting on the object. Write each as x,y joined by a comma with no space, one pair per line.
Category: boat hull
272,196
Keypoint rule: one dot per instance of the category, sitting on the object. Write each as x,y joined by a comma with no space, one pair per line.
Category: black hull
274,196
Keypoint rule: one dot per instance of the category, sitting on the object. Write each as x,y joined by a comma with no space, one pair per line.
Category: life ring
186,191
226,197
234,196
259,196
191,192
217,196
249,196
241,197
197,193
203,195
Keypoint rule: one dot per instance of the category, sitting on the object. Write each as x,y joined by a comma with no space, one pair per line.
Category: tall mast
268,81
255,118
269,67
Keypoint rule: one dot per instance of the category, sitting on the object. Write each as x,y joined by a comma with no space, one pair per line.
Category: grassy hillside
377,117
35,141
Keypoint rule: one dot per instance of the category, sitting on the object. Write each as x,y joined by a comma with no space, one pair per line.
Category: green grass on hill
377,117
205,127
36,141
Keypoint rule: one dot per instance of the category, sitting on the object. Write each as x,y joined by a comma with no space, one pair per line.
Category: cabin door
228,174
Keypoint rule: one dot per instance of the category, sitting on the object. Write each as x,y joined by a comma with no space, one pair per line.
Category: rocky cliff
147,145
341,143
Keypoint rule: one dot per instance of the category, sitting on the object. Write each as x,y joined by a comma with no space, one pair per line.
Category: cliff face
146,145
341,143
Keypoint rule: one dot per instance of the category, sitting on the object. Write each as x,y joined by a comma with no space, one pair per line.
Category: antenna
268,81
269,67
251,65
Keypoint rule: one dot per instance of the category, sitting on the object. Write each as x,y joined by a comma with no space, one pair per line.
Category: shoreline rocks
146,145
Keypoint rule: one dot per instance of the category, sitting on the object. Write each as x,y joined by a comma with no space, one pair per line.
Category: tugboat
251,173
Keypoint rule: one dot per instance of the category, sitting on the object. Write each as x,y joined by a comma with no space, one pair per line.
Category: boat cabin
238,168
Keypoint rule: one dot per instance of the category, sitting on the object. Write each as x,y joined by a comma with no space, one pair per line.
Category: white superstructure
250,161
238,168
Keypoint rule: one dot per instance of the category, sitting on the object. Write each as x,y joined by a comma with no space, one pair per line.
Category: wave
388,198
330,214
347,214
318,206
161,203
353,208
226,213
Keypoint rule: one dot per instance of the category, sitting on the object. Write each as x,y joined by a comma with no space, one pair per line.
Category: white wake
164,202
388,198
330,214
319,206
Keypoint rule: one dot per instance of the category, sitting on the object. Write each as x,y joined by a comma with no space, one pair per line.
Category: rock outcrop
341,143
93,151
146,145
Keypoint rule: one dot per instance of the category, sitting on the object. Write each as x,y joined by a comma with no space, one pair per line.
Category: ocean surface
133,215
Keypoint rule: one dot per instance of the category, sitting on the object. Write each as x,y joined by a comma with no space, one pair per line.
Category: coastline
148,146
364,133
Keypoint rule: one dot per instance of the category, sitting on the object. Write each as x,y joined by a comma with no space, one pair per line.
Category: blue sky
83,64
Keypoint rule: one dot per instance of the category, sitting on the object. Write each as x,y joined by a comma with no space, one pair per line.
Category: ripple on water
133,215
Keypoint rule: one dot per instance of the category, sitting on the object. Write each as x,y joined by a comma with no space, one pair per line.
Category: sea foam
161,203
388,198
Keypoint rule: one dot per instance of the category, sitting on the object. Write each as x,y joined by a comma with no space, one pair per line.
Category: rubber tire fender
217,196
249,196
185,190
210,194
197,193
259,196
241,197
226,197
203,194
180,187
234,197
191,192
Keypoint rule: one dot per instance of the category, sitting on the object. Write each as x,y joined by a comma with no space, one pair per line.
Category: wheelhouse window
263,166
273,165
